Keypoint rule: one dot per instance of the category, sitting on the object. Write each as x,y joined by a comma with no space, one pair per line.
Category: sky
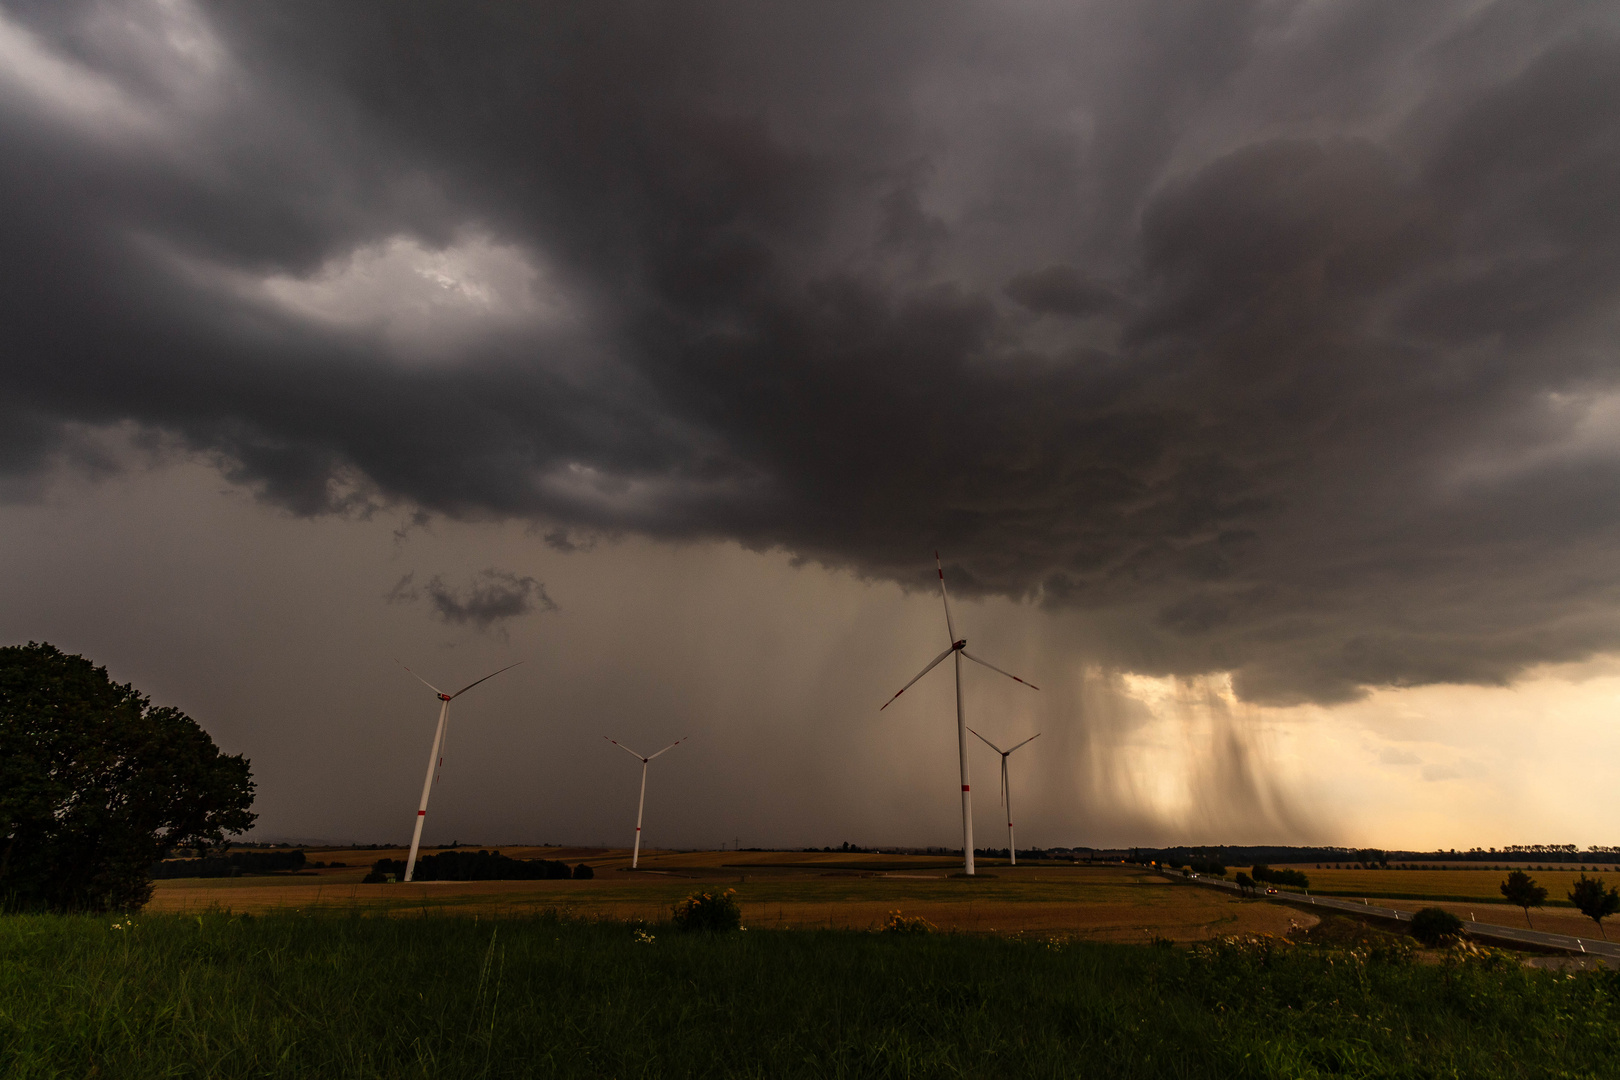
1251,365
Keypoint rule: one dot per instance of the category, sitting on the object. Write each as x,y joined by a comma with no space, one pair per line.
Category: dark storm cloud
1276,337
491,597
1062,290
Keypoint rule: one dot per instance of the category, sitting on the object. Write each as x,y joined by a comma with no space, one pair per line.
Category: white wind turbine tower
435,761
958,649
635,856
1006,789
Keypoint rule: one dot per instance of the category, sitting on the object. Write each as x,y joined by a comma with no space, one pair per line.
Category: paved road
1486,931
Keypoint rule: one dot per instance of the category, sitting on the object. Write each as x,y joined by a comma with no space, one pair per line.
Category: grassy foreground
334,996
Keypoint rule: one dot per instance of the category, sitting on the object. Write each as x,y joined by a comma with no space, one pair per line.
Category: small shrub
1435,926
712,912
899,923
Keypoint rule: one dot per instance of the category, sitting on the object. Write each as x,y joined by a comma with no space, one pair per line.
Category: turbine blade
444,748
419,678
993,667
627,750
931,665
1003,779
671,746
987,742
486,678
943,595
1031,739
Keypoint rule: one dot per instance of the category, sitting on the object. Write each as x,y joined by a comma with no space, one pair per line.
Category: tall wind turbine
958,649
635,856
1006,789
435,760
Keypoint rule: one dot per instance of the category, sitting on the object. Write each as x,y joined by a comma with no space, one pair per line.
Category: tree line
476,866
232,864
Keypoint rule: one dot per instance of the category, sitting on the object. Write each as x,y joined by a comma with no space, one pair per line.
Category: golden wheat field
1470,893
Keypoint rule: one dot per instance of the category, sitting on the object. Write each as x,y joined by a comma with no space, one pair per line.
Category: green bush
712,912
1435,926
900,923
1264,873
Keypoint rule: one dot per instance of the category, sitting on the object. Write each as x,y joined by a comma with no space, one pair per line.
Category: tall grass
331,996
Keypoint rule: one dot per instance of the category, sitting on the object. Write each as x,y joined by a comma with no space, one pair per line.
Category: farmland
1048,970
777,890
1447,884
1470,893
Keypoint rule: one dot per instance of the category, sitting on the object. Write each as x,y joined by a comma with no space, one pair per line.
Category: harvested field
1469,894
779,889
1459,885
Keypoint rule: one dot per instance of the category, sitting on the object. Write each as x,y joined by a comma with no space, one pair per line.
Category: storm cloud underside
1276,338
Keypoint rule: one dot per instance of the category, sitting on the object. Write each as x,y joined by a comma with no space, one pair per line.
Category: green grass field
439,996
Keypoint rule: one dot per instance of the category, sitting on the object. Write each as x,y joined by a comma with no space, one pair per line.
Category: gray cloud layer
491,597
1278,337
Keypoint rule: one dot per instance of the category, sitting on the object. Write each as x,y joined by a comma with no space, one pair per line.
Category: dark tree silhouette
1594,901
1521,889
97,785
1244,882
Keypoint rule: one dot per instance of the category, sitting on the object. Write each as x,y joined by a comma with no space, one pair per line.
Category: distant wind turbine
1006,789
958,649
435,760
635,856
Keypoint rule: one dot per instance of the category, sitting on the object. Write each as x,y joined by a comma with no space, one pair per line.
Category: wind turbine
635,856
435,759
958,649
1006,788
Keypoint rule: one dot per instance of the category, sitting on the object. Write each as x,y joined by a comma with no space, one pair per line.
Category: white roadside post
958,647
641,803
435,761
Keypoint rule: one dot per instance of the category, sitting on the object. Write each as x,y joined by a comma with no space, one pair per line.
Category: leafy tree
1594,901
1435,926
1244,882
97,785
1262,872
1521,889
